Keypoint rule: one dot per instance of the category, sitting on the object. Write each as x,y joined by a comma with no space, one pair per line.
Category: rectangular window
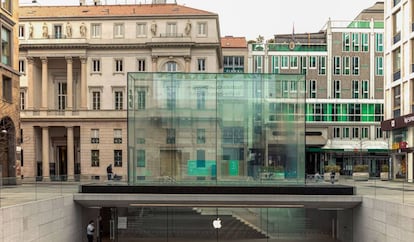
117,136
355,89
140,134
379,133
118,158
346,64
7,89
22,100
285,88
355,65
95,158
201,136
6,4
141,29
312,89
140,158
94,136
119,65
355,133
118,30
258,64
96,100
96,65
57,31
379,42
141,65
336,132
322,65
171,30
21,31
355,42
365,42
345,133
202,29
233,64
284,62
364,133
96,30
365,89
294,62
396,97
337,65
171,97
379,65
345,42
119,100
201,98
201,64
170,136
337,89
141,99
22,66
304,64
312,62
5,46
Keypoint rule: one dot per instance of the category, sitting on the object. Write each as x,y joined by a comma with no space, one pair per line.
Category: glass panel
250,129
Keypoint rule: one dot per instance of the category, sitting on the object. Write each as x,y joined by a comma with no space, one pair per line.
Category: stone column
154,63
187,60
45,153
69,82
30,83
84,103
71,152
44,93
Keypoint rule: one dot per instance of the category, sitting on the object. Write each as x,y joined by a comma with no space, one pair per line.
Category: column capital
30,59
44,59
68,59
187,58
83,59
154,58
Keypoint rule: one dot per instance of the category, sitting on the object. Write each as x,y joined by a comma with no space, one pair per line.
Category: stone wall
57,219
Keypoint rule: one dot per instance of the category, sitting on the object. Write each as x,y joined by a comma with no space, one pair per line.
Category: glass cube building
216,129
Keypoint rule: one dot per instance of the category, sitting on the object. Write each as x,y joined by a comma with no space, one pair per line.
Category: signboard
122,222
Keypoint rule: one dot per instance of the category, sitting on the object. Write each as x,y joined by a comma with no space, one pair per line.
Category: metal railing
22,190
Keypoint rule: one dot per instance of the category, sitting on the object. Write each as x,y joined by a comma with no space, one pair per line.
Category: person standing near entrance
90,230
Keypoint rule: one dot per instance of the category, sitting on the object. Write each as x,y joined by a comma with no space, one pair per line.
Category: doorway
61,169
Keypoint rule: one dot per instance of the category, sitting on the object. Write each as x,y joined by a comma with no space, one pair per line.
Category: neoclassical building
9,91
75,61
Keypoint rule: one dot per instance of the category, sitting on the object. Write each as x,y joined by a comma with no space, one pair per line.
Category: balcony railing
397,38
396,76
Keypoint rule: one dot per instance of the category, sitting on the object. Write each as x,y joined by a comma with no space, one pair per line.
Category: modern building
344,65
75,61
399,86
9,91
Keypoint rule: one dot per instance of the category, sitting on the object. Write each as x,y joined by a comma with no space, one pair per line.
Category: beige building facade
75,61
9,91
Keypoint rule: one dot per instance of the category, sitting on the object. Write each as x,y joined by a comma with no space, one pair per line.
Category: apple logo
217,223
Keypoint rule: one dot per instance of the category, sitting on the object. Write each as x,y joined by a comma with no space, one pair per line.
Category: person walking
90,230
109,172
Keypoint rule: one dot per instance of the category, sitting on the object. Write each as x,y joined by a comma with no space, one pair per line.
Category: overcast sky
251,18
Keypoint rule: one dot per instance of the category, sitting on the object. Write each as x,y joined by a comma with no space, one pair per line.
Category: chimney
159,1
81,2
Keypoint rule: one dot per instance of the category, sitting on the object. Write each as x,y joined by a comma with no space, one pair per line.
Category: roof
233,42
110,11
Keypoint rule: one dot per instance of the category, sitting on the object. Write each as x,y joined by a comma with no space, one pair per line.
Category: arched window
171,66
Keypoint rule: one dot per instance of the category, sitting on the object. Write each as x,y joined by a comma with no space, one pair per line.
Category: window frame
96,30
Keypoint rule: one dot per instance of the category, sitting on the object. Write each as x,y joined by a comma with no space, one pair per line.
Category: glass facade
216,129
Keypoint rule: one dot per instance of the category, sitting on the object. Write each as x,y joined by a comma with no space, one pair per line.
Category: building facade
9,91
344,66
399,86
75,60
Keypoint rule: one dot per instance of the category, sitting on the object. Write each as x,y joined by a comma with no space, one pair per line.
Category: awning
315,140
